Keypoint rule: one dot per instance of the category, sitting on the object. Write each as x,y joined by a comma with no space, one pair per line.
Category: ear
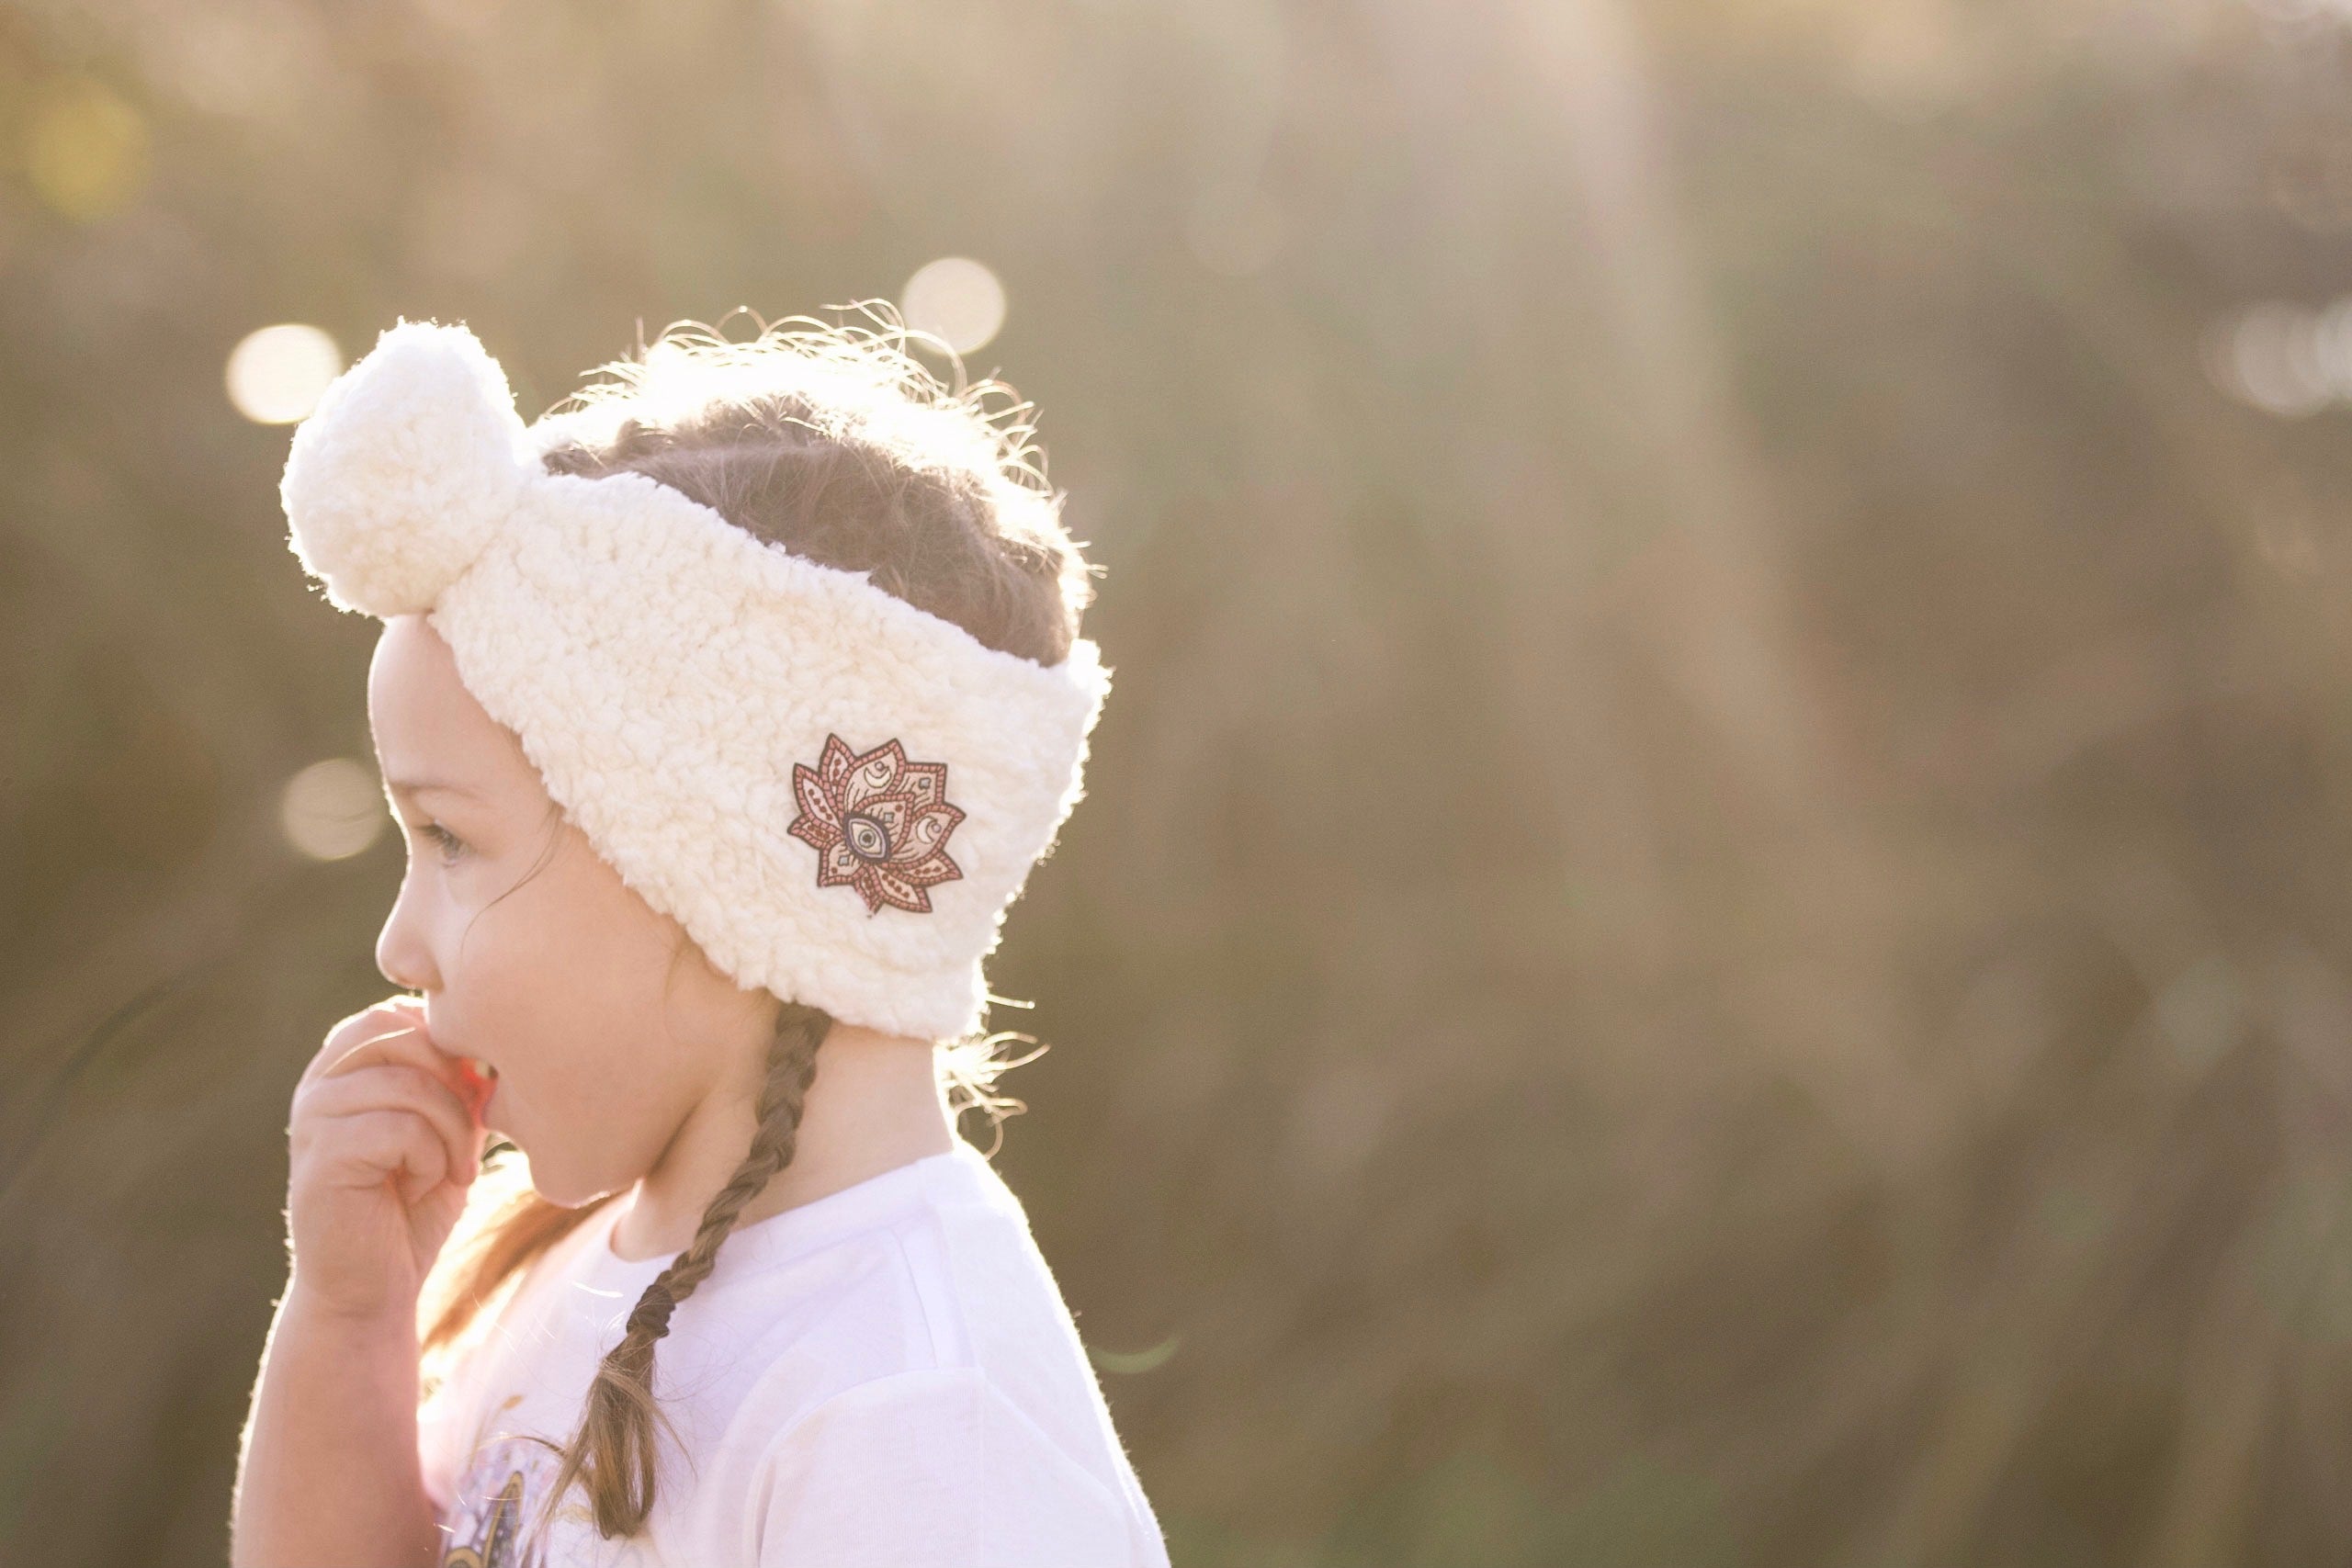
411,463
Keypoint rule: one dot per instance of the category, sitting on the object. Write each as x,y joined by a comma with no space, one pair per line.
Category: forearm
328,1472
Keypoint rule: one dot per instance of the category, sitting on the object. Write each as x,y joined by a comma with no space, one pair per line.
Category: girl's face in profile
605,1027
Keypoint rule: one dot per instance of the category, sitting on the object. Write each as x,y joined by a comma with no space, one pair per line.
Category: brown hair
835,443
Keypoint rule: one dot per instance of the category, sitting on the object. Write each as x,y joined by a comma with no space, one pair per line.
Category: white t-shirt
885,1376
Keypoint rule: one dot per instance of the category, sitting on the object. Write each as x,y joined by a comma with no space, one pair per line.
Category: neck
875,1104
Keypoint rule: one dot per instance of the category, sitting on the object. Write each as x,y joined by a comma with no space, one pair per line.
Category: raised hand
385,1138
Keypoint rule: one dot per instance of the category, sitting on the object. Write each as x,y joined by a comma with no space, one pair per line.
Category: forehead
428,727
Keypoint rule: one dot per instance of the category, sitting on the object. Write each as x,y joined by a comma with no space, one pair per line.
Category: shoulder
935,1466
940,1281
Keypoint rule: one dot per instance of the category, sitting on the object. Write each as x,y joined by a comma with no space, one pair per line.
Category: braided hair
614,1450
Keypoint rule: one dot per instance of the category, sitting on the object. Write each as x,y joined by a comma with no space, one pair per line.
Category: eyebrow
429,786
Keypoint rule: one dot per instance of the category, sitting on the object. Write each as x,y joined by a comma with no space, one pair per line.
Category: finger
383,1082
409,1045
401,1015
384,1033
377,1144
395,1086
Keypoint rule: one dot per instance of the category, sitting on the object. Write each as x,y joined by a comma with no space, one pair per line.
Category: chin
569,1190
552,1186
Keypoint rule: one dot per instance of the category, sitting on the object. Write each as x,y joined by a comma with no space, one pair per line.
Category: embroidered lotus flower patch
878,823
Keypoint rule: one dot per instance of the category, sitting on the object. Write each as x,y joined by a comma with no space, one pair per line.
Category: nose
401,954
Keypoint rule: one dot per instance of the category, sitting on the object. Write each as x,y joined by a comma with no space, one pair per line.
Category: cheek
566,1093
568,945
561,984
593,1111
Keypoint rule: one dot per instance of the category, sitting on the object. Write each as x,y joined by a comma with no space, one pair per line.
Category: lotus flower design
878,823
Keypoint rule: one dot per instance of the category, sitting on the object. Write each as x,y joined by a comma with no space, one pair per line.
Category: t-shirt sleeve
931,1469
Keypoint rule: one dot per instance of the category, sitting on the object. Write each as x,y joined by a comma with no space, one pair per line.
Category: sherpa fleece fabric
668,674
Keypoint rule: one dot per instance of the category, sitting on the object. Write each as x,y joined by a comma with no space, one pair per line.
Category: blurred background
1711,924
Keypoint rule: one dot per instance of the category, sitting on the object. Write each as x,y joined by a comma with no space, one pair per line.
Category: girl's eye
451,845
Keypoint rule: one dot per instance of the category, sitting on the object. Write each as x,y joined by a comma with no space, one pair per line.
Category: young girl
725,712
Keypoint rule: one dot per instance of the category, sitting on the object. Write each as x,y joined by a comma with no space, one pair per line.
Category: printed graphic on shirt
497,1499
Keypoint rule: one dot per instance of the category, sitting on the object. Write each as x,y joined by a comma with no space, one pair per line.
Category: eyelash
451,845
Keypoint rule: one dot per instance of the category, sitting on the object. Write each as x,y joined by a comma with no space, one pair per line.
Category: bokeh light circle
333,810
87,150
956,299
277,375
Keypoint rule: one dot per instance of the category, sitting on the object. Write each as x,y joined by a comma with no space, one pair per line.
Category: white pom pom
412,462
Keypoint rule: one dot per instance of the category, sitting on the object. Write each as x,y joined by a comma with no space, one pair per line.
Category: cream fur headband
836,793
